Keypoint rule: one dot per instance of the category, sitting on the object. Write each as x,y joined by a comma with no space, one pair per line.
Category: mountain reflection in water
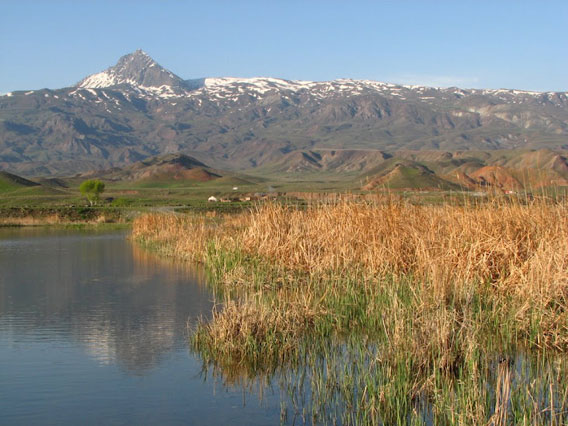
93,330
121,303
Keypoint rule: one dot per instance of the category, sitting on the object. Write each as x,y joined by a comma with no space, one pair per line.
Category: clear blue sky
491,44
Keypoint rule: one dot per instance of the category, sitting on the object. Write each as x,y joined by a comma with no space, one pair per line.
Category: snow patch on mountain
260,85
100,80
145,78
231,88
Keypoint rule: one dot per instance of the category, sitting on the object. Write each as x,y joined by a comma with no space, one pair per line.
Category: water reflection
122,304
64,295
352,381
93,331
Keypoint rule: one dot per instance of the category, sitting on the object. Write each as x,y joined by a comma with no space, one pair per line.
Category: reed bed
65,216
33,221
509,253
518,248
183,237
437,292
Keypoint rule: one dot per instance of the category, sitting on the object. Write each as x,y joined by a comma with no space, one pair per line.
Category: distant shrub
92,189
122,202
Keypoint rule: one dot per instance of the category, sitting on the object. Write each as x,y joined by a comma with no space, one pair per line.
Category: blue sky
482,44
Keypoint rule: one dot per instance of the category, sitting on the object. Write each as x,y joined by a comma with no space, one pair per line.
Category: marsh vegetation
385,311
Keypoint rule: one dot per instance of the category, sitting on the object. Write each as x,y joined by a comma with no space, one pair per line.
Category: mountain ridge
138,109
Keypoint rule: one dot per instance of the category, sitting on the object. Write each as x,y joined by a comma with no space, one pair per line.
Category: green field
179,183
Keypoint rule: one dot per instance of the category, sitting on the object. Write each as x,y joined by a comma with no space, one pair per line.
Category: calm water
93,330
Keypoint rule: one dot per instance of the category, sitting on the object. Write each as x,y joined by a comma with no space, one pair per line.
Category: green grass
10,182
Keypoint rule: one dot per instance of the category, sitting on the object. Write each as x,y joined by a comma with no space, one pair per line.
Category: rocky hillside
137,109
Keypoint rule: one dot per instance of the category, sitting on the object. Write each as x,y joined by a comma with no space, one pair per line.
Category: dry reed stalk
508,253
179,236
502,395
436,283
516,248
247,335
437,242
53,219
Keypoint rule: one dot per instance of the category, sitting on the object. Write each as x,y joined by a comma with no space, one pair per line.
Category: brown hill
462,179
496,176
169,167
408,175
542,159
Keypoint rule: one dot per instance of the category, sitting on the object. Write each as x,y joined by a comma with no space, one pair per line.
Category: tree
92,189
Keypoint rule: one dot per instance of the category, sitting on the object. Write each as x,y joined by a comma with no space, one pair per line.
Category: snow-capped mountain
140,72
137,109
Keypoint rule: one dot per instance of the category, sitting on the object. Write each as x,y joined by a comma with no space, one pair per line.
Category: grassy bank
39,216
396,312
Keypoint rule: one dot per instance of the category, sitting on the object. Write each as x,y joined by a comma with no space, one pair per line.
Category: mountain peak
137,70
136,59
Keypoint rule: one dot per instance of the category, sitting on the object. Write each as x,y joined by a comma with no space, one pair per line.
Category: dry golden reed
519,251
512,252
183,237
33,221
438,289
521,248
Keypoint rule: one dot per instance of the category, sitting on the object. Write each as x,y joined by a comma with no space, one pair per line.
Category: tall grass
516,247
434,292
183,237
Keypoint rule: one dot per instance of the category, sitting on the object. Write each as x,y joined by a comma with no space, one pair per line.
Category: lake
94,330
